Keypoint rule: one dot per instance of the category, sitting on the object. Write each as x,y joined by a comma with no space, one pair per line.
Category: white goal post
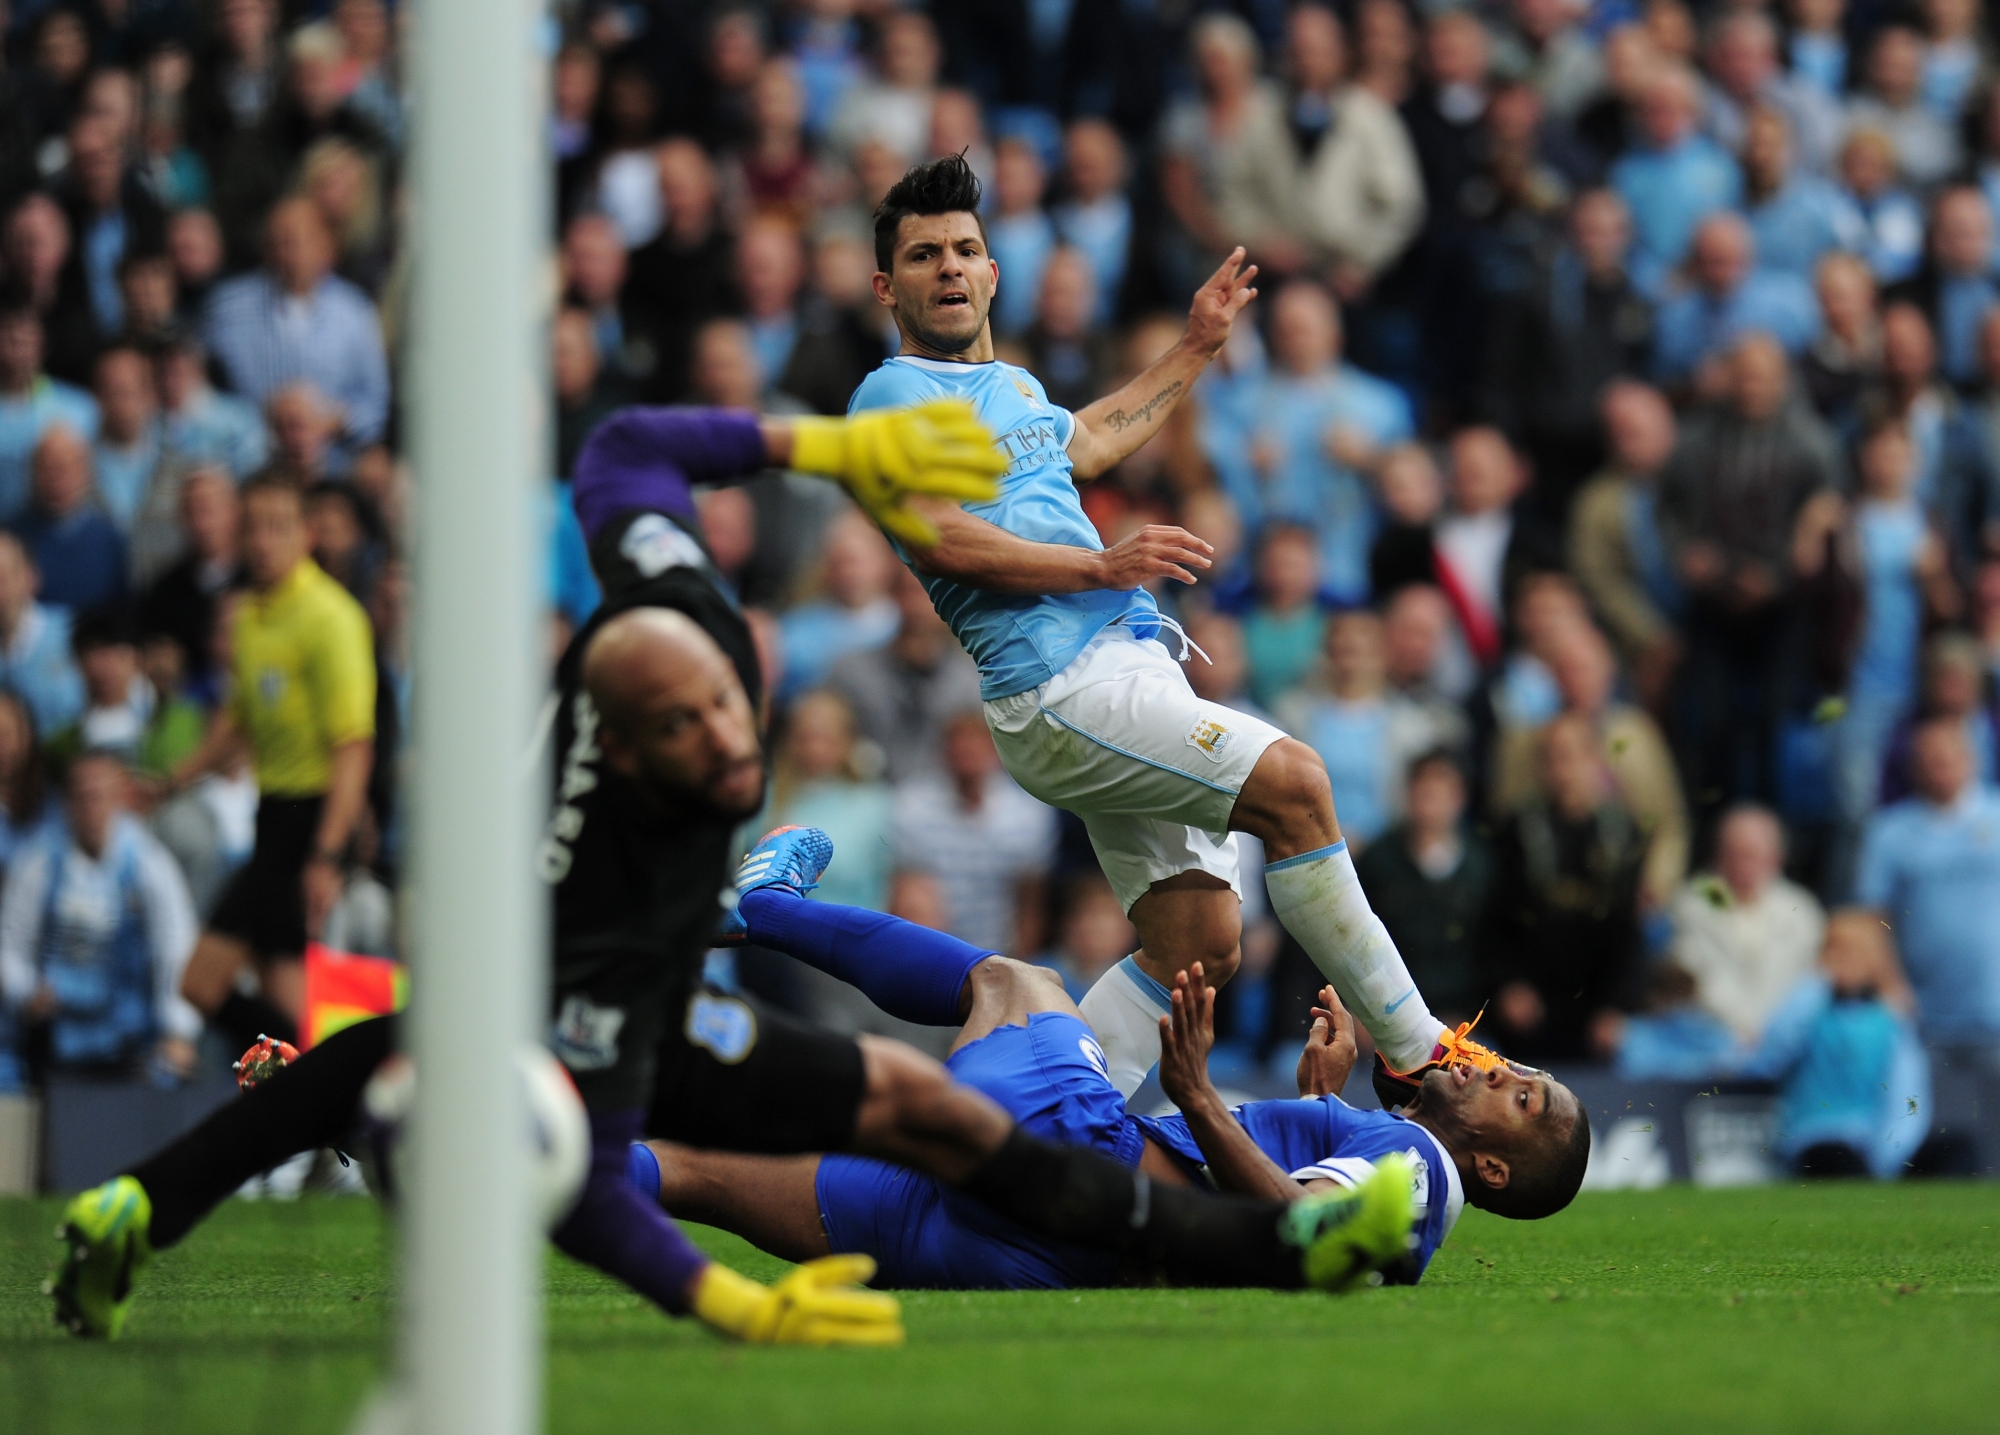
477,436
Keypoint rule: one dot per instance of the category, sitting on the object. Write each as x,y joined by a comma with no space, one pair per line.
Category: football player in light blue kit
1485,1138
1087,706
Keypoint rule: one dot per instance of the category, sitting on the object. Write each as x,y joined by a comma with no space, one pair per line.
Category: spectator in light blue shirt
203,426
1891,100
1885,224
1952,61
1958,287
1096,218
1676,177
1743,58
1021,235
296,319
1795,217
1366,732
827,50
77,548
129,445
1730,297
1817,46
1293,441
573,590
1931,868
35,657
770,267
1854,1091
823,780
30,402
855,611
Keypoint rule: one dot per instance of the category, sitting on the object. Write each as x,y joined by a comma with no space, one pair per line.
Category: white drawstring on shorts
1187,644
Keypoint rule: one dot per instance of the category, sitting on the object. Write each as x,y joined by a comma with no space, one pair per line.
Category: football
558,1132
558,1129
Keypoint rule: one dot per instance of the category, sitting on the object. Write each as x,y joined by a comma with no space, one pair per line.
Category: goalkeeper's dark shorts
711,1069
736,1076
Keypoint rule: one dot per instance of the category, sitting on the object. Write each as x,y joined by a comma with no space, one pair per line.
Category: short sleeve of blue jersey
1065,420
1325,1138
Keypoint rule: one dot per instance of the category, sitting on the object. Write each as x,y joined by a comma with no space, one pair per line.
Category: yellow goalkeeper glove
882,457
820,1303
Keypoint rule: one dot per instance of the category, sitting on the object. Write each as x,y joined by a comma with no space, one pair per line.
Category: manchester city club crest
1209,737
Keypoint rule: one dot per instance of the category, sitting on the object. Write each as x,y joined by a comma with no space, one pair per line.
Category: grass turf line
1847,1307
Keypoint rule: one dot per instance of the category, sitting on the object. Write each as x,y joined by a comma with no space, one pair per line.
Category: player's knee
1011,983
1194,917
903,1085
1303,784
913,1106
1217,943
1294,794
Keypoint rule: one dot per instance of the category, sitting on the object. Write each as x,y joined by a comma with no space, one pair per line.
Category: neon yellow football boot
104,1231
1348,1235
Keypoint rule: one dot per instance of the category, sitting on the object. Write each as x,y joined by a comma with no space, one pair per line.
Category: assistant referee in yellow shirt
302,699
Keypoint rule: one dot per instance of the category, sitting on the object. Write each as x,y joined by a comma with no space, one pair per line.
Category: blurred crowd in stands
1607,484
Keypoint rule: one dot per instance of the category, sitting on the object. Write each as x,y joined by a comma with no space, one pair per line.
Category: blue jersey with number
1326,1139
1019,641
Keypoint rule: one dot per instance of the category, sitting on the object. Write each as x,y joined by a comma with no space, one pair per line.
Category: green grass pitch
1849,1307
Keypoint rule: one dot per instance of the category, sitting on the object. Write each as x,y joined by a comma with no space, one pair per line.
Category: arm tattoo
1120,420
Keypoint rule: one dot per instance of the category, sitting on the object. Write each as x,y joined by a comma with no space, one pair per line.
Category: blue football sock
909,971
642,1169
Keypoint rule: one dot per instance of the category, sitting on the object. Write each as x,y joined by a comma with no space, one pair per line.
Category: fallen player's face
942,280
1496,1106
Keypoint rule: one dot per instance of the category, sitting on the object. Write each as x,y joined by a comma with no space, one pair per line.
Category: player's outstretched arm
1113,428
979,554
1187,1034
885,457
647,458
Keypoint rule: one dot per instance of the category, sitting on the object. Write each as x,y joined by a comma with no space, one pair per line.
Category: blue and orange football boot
793,858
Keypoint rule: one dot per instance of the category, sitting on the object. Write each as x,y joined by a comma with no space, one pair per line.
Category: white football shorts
1120,739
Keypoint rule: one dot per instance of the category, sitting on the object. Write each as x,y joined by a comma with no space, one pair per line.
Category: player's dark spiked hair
1542,1188
939,186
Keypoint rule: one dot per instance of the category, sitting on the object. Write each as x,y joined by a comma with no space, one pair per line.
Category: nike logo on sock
1390,1010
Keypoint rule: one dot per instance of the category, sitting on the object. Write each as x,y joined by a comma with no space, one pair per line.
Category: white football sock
1318,898
1124,1008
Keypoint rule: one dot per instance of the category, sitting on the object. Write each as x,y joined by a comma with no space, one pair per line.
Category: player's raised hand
820,1303
1187,1035
1219,301
1330,1052
1155,551
887,456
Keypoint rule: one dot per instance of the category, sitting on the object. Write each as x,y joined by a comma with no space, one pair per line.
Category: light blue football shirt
1936,872
1020,641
